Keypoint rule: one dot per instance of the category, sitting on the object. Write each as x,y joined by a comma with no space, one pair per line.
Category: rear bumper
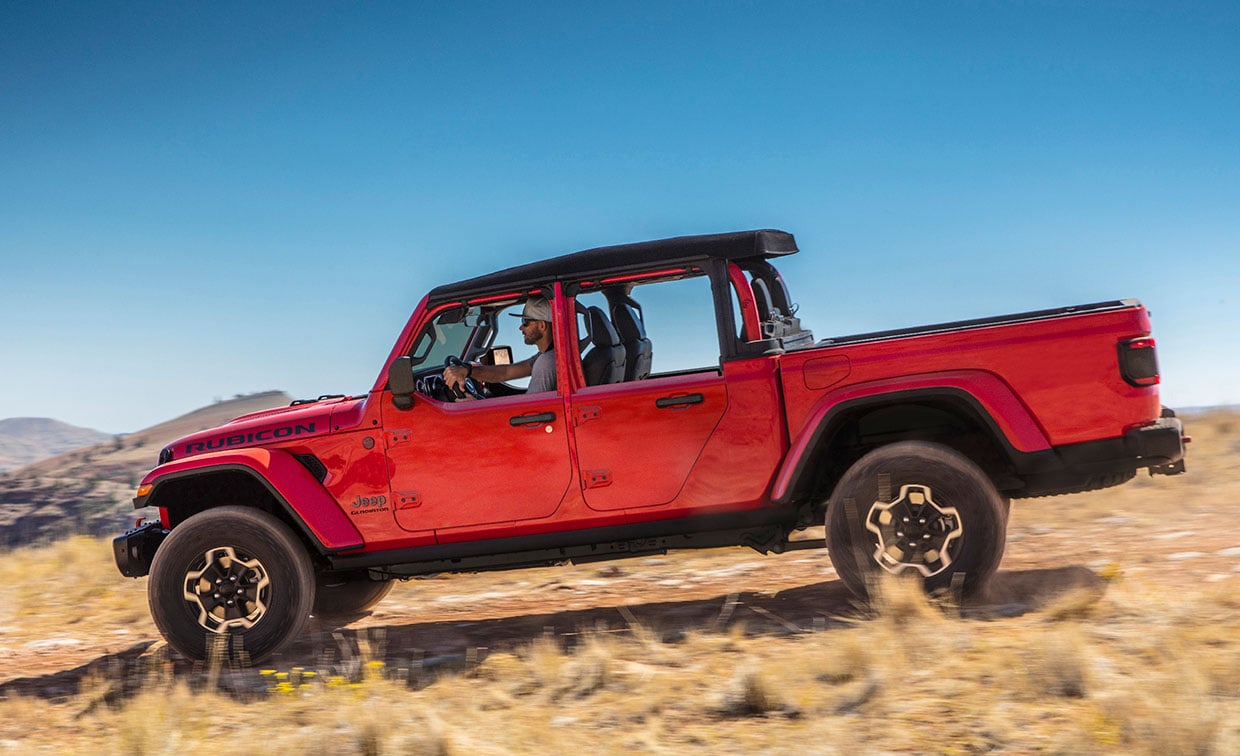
136,548
1088,466
1160,446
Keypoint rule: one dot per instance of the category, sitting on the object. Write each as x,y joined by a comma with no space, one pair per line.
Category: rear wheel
345,595
916,508
231,579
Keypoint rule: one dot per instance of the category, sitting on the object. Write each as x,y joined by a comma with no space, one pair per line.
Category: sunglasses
527,321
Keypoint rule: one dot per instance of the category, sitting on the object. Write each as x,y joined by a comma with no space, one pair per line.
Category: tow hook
1175,468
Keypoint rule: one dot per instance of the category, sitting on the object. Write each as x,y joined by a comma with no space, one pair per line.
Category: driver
536,330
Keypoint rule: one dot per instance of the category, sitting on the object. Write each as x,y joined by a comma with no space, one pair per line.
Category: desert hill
24,440
89,490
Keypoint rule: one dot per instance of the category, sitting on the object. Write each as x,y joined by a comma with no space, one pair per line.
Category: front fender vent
312,463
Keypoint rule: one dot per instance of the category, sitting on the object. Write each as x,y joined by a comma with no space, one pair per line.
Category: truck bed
996,320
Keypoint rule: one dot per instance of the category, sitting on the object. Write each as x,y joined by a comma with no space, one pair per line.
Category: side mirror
401,383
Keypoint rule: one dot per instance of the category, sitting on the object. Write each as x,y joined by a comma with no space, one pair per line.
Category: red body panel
1059,374
633,454
735,468
358,478
477,468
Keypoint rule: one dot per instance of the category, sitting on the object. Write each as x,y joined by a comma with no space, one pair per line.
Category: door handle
678,401
543,417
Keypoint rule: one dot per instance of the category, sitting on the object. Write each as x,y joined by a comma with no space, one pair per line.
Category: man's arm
456,375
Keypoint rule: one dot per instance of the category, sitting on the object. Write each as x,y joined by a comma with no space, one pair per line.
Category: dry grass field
1112,628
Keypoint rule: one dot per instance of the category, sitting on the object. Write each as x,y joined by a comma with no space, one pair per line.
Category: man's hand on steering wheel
456,374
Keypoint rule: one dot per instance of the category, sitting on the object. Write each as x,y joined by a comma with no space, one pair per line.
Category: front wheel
916,508
234,579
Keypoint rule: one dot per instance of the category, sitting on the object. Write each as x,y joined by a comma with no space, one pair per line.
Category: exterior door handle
544,417
678,401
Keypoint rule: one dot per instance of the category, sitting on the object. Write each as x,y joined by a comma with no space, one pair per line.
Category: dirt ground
1161,533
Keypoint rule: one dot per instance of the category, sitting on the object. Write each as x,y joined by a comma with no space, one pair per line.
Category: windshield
450,334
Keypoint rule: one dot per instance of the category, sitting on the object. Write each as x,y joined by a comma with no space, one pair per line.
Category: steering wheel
471,388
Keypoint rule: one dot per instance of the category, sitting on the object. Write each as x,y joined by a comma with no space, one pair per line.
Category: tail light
1138,362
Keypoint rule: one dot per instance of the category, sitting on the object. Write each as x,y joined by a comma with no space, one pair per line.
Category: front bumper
136,548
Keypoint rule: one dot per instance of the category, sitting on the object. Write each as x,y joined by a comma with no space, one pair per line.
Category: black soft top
740,245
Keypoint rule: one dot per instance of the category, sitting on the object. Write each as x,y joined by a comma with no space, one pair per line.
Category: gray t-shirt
542,375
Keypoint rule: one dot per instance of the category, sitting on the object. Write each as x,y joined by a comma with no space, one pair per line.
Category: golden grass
1132,677
1146,662
68,591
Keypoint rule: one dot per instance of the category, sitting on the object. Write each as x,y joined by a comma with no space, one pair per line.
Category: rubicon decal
245,439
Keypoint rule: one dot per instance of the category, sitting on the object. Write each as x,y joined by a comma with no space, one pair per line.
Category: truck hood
267,427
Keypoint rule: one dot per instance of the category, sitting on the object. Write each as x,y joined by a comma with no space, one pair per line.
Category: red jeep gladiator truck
690,409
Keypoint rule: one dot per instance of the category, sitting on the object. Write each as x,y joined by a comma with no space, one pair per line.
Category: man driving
536,330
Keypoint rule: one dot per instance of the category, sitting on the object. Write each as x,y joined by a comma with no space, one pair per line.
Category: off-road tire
347,595
222,545
963,498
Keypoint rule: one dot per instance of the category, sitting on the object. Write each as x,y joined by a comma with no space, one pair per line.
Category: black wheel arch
948,416
188,493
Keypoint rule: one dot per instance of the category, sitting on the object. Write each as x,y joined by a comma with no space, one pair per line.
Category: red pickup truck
690,409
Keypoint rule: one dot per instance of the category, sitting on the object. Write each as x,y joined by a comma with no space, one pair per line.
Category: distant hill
90,490
24,440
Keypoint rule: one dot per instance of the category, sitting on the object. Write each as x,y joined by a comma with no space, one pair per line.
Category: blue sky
205,199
